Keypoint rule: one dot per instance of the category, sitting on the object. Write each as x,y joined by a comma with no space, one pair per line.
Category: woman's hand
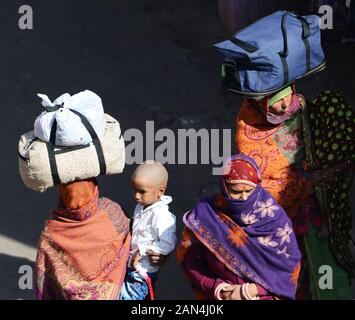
324,177
156,259
232,292
324,230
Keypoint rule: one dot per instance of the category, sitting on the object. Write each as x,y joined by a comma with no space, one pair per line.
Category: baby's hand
155,258
135,260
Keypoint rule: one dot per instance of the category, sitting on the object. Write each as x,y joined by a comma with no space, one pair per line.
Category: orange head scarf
75,195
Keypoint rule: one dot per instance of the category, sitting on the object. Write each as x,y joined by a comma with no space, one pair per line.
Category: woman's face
239,191
281,106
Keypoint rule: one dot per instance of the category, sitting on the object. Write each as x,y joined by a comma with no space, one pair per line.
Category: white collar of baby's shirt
164,200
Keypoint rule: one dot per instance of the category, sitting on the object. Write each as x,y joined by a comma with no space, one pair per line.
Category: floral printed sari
278,149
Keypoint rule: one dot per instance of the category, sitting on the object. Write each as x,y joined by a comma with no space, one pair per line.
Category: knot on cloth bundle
70,131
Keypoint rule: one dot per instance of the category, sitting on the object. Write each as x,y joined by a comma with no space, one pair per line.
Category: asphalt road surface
147,60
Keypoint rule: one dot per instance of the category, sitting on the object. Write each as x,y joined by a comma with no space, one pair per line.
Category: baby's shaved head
152,172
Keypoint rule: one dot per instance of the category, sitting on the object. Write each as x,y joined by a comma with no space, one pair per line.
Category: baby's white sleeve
164,226
142,248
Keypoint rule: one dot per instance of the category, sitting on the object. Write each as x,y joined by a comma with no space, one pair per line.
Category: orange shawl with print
82,253
279,152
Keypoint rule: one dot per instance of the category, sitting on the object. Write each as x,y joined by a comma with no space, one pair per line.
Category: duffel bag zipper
244,45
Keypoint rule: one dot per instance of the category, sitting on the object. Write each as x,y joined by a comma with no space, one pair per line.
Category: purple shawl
253,238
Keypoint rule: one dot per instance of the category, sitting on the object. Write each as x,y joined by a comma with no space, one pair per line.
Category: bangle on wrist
245,292
219,289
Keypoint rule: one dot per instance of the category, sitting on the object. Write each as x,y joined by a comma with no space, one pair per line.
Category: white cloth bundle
72,163
70,130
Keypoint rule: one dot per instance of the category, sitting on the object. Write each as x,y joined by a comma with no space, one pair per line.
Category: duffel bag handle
305,33
95,140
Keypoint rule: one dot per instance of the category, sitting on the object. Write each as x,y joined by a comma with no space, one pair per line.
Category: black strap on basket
51,155
95,140
305,35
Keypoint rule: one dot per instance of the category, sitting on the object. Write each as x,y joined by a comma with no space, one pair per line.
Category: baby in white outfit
154,226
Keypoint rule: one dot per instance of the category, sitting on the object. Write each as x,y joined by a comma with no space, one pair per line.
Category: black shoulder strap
51,155
53,132
95,140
